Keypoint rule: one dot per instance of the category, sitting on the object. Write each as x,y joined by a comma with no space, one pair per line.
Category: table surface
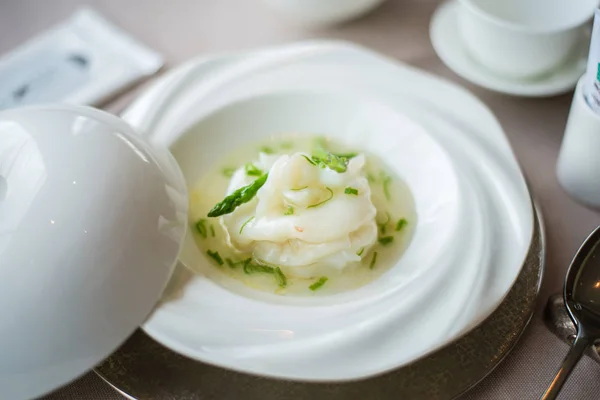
181,29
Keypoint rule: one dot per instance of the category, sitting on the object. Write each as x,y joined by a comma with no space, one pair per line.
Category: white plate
446,41
474,212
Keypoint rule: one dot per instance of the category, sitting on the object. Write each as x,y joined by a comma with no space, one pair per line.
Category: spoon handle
580,344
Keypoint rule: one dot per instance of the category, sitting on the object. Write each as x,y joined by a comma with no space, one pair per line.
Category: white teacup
523,38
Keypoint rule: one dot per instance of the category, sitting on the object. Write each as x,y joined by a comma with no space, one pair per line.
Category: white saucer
447,44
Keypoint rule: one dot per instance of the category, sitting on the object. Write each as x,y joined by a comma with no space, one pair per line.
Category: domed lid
91,223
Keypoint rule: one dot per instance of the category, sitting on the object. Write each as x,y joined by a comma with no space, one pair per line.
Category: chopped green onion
321,146
300,188
346,155
318,283
252,170
324,201
386,180
201,228
250,268
360,252
290,211
373,260
401,224
234,265
237,198
246,223
371,178
267,150
309,160
325,159
212,231
228,172
351,190
280,277
215,256
384,241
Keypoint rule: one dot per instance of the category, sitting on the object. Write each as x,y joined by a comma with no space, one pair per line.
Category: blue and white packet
84,60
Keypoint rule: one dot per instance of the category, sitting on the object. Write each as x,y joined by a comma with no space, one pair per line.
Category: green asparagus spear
237,198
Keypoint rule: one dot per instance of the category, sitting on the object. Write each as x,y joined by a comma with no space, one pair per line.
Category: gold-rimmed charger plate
142,369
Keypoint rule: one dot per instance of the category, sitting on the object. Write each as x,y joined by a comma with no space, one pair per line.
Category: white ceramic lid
91,222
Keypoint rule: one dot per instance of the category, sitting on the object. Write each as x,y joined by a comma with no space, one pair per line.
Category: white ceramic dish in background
446,41
323,12
91,223
523,39
381,327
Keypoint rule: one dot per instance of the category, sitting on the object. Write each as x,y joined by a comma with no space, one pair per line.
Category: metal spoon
582,298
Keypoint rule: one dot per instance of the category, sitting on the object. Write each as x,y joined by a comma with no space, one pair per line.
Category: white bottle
578,166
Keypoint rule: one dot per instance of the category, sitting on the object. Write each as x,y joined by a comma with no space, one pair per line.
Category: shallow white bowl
474,211
321,12
407,150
